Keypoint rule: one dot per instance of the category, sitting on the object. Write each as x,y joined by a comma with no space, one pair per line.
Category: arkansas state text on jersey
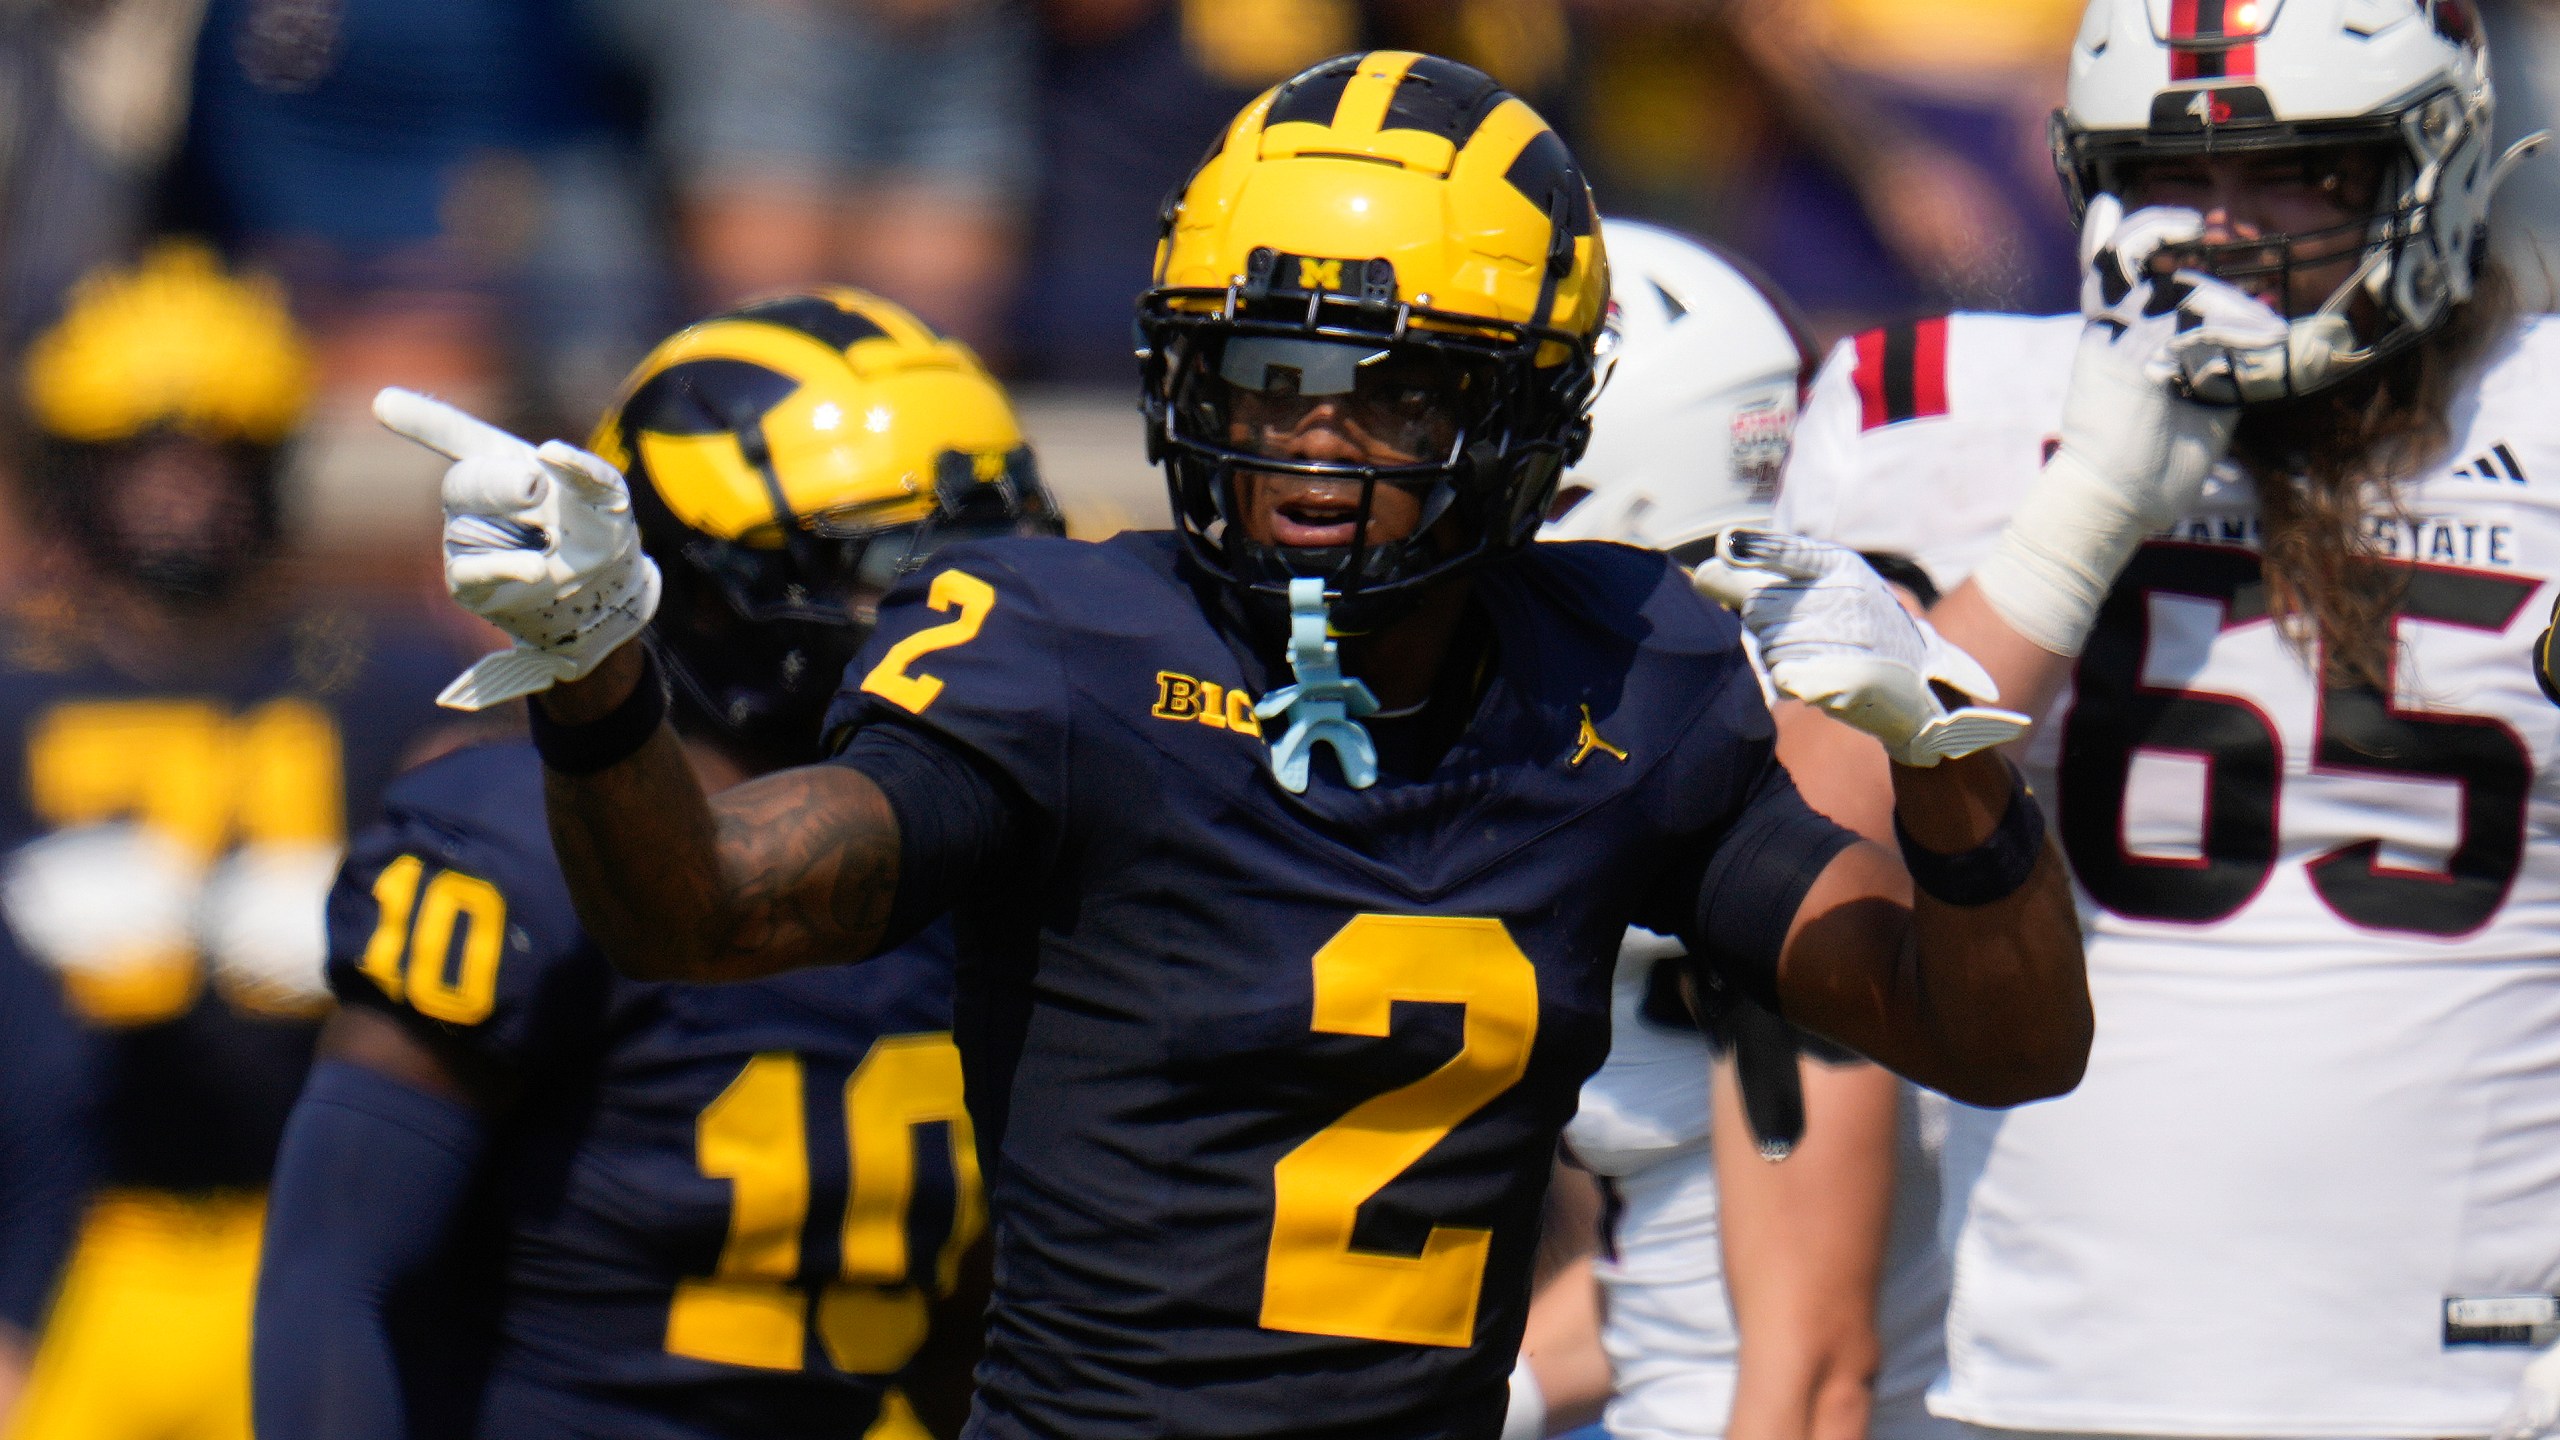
2324,1102
723,1209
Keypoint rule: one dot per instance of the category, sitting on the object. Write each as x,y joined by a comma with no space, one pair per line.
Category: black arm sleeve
957,818
1755,880
368,1185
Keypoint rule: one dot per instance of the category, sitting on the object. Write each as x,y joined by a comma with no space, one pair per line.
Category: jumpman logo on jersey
1589,741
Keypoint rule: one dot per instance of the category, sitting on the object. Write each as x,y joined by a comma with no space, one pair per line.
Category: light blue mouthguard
1324,707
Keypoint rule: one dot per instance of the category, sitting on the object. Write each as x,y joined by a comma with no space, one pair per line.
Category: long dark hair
2324,462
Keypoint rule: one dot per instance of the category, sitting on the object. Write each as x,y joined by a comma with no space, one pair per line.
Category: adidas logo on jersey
2498,467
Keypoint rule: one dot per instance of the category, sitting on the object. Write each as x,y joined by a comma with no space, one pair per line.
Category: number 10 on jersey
872,1318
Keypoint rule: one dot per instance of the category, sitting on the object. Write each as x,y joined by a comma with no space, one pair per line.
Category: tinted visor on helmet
1401,406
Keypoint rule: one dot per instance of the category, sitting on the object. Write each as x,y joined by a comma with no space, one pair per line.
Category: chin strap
1324,706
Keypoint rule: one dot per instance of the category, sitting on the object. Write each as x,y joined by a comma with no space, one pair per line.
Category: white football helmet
2153,79
1690,429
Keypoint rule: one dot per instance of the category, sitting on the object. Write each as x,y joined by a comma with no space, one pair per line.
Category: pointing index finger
443,428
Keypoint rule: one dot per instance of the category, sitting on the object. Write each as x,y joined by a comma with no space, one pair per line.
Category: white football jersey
1643,1129
2321,1122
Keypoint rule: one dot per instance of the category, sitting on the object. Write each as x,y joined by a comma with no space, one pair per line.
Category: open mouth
1316,519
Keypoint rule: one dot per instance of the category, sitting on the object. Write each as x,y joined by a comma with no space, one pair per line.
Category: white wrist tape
2135,450
2061,555
1527,1417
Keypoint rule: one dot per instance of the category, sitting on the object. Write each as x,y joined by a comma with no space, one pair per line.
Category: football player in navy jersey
1289,853
187,736
705,1212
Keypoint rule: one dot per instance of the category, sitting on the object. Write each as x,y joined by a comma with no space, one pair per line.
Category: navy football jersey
723,1209
1270,1083
166,845
46,1140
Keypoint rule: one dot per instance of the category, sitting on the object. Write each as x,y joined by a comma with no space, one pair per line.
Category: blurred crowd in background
505,201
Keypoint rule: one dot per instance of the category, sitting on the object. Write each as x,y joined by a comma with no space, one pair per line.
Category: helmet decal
836,324
789,461
2215,39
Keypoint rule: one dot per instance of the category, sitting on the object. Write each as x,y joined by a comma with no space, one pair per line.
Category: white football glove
264,923
538,542
2136,445
2231,349
101,903
1832,634
2534,1413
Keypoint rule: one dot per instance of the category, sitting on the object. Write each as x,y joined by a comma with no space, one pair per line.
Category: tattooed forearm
811,858
797,868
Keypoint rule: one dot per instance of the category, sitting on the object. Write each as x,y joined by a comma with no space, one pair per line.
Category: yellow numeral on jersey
875,1320
395,891
1314,1282
190,770
197,775
753,1136
751,1311
435,982
889,679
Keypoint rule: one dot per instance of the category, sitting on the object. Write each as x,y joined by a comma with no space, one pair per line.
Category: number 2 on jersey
752,1310
889,679
1314,1281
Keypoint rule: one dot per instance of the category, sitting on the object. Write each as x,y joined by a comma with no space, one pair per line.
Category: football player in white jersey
2261,541
1839,1329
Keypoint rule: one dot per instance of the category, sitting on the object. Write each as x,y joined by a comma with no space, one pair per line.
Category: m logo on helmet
1319,274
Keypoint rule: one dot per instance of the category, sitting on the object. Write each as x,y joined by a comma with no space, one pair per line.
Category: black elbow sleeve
956,818
1755,883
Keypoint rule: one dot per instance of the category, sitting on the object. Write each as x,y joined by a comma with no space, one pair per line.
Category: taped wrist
956,819
1995,869
610,738
2061,554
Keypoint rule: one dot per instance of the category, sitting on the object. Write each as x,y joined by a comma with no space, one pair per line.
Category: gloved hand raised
2136,441
1832,634
538,542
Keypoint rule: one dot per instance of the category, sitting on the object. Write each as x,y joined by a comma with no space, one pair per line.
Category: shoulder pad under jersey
453,914
976,646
